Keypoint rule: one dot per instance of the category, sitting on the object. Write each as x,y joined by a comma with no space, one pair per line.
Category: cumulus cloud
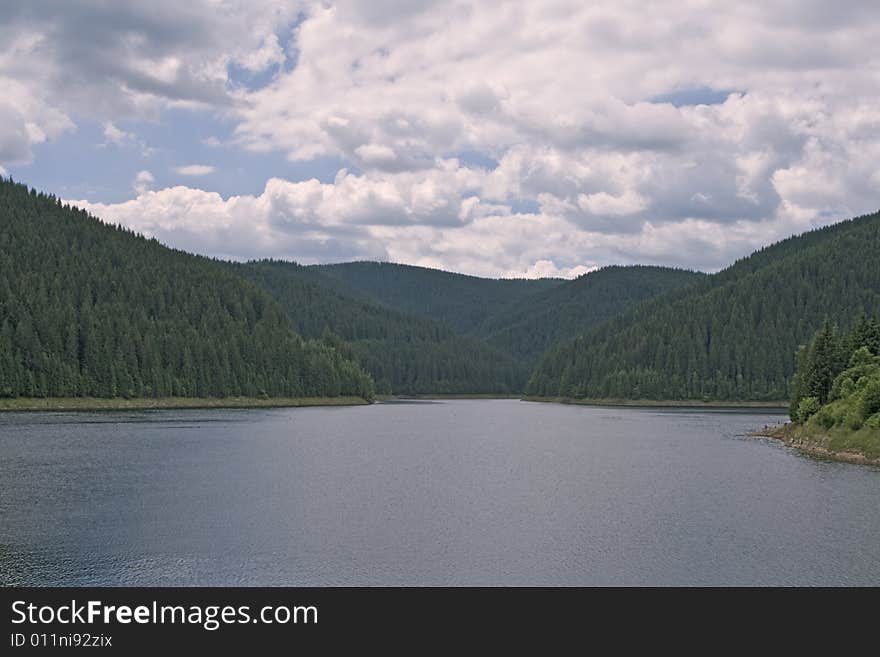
413,218
595,141
506,137
548,269
110,60
195,170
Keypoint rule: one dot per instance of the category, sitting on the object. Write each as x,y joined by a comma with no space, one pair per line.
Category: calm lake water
437,493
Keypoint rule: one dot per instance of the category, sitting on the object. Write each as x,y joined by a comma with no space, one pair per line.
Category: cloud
499,137
143,181
548,269
115,136
195,170
416,218
635,124
108,61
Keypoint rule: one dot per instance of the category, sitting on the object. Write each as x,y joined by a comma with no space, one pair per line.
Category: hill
404,353
731,336
459,301
573,307
92,310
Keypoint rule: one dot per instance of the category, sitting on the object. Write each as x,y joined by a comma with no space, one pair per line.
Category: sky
493,138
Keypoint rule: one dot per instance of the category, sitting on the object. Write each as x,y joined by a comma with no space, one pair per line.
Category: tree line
733,335
838,377
89,309
404,353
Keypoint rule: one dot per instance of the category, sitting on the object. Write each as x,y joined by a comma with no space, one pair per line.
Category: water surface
476,492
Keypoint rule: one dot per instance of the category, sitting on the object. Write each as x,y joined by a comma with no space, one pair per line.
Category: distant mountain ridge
731,336
404,353
575,306
91,309
460,301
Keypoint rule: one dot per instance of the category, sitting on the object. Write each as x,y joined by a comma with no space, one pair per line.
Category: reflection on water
449,493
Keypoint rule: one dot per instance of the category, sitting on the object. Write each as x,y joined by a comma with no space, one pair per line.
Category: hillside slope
459,301
404,353
89,309
731,336
575,306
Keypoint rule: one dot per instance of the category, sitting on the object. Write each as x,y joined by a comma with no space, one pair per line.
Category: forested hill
732,336
89,309
573,307
404,353
459,301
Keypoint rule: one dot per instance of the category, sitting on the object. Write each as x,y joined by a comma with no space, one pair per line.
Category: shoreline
452,395
661,403
796,437
164,403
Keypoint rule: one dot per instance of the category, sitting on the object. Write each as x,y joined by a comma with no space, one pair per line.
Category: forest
835,404
837,379
92,310
404,353
730,336
89,309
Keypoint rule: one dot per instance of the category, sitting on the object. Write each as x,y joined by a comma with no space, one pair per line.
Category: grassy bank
862,446
662,403
95,404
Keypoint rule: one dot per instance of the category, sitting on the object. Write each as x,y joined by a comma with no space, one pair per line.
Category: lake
469,492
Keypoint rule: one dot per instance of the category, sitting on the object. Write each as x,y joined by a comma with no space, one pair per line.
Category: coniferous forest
731,336
404,353
835,403
89,309
838,377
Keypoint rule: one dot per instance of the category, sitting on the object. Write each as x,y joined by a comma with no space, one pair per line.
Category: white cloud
143,181
493,137
416,218
195,170
548,269
602,203
115,136
108,61
267,54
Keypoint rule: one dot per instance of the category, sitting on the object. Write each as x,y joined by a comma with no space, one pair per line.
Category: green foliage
807,408
573,307
870,403
853,400
834,366
732,335
404,354
411,354
88,309
93,310
460,302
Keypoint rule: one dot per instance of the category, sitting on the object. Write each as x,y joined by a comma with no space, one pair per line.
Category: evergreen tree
89,309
